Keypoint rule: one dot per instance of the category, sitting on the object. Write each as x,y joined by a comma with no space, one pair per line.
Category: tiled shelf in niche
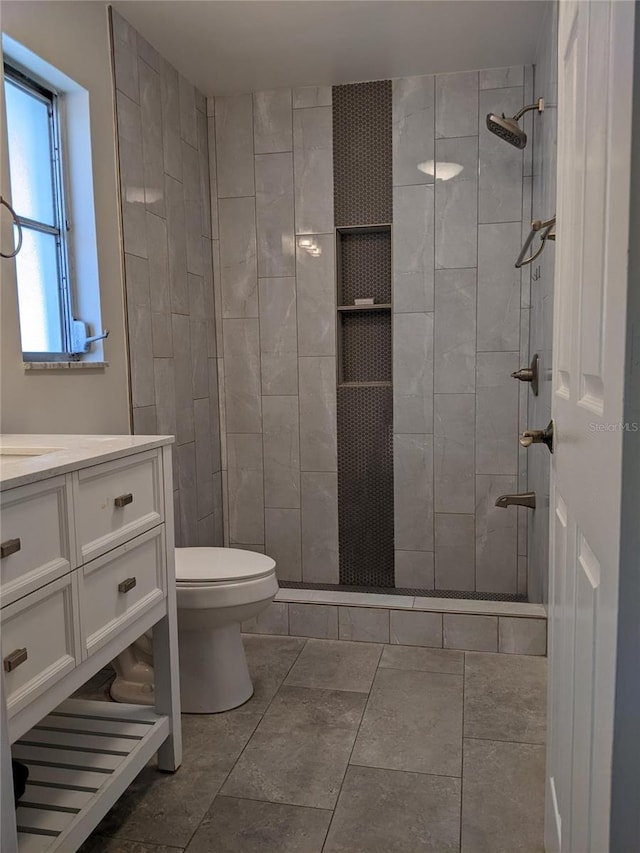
363,270
374,307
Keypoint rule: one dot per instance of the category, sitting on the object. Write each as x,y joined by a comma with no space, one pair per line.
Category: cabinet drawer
40,640
120,587
116,501
36,536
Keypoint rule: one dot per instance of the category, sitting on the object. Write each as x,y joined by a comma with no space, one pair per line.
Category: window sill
65,365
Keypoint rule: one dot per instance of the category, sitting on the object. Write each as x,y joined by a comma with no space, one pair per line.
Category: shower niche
365,405
363,270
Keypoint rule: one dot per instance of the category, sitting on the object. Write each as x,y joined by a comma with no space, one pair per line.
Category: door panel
595,67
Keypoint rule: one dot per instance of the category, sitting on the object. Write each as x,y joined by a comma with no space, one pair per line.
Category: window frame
61,230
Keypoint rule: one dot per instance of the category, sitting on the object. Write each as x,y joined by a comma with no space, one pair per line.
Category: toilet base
214,675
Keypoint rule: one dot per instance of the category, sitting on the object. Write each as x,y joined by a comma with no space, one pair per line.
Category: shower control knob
529,374
538,436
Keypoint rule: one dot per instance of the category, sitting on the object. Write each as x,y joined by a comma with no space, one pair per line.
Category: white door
595,71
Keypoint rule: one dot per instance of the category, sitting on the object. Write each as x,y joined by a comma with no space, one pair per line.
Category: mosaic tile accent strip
365,486
362,153
366,346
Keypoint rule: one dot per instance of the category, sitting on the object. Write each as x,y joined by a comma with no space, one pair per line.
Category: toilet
217,590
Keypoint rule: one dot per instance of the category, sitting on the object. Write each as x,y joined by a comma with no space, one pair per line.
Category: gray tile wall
461,321
170,248
238,192
272,194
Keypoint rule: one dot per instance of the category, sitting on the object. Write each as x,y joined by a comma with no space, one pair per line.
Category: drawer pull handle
11,546
127,584
14,660
123,500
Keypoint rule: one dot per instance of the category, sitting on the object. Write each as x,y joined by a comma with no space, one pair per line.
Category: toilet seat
211,566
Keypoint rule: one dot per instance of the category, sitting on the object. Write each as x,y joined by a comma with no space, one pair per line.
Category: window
37,190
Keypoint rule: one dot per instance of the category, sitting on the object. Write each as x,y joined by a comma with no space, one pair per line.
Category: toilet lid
214,565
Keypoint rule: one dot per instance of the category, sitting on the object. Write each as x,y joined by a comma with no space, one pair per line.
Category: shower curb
439,623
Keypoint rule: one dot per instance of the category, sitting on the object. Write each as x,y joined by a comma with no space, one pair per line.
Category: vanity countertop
28,458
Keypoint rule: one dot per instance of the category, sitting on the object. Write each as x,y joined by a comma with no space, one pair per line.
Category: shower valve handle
538,436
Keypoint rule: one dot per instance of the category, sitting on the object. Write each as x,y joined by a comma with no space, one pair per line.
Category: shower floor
423,593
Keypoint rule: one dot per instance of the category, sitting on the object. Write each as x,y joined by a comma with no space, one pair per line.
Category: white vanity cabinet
86,567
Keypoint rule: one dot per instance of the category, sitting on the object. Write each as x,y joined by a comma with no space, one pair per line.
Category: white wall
74,37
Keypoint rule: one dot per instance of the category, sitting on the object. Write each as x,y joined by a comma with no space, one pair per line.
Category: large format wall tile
278,336
455,555
320,527
454,453
281,433
246,499
501,78
496,536
413,486
497,413
413,116
181,329
457,104
192,208
238,263
316,286
312,96
272,121
455,332
413,236
141,357
170,99
163,148
498,287
500,183
177,246
414,569
318,446
283,542
413,373
456,204
160,293
152,145
188,124
234,146
274,214
242,376
313,165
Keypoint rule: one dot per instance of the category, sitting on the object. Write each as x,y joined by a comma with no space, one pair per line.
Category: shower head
508,128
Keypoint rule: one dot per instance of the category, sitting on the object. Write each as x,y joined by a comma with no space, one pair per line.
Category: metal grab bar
18,226
538,225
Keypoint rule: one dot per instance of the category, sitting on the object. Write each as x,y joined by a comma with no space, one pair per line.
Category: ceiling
237,46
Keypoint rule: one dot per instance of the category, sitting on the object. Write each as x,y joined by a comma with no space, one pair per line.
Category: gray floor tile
427,660
336,665
300,750
269,659
249,826
165,808
503,797
413,721
386,811
505,697
102,844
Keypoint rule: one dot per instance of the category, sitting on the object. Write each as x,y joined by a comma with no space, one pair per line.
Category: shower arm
539,105
546,227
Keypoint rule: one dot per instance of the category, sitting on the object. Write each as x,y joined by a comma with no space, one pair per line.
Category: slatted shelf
81,758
